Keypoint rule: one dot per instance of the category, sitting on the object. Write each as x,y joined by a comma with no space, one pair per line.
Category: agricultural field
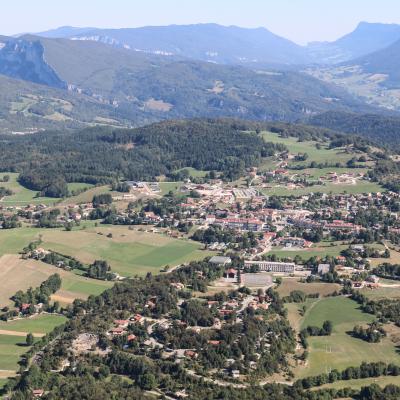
128,252
23,274
340,350
38,325
290,284
167,187
11,349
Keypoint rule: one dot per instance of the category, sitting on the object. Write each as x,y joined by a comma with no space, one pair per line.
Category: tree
29,339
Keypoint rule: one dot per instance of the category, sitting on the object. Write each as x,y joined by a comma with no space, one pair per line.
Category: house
235,373
323,269
117,331
131,337
190,354
121,323
37,393
230,274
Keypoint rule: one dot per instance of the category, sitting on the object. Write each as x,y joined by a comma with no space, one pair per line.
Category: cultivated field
129,252
22,274
11,349
340,350
290,284
40,324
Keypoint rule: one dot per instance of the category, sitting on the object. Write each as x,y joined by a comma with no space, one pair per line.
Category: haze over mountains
73,77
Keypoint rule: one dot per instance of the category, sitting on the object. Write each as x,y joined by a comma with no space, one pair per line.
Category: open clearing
23,274
340,350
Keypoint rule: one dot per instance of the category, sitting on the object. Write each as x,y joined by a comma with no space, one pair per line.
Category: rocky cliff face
23,59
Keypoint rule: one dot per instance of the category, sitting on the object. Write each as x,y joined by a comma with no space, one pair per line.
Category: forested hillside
379,128
50,159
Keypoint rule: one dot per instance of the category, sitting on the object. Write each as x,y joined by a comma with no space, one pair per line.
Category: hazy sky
299,20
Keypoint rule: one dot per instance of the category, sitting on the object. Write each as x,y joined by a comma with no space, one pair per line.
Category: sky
299,20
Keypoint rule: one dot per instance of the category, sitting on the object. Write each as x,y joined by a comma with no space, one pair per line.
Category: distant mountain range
234,45
129,88
73,77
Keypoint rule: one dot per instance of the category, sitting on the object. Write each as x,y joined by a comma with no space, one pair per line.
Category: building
219,260
323,269
272,266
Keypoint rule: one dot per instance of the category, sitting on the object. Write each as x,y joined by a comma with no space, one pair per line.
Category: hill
126,88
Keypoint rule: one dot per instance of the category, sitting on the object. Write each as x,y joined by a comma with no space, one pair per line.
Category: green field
318,155
43,323
78,186
86,286
22,196
11,349
340,350
167,187
128,252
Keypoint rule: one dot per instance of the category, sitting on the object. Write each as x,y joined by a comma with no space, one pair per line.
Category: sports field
340,350
321,250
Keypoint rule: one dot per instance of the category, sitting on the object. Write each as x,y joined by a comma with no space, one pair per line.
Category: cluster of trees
384,309
39,295
298,296
48,219
5,192
98,270
372,334
218,234
9,222
365,370
326,330
388,271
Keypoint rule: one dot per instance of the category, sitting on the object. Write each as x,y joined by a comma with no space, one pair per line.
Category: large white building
272,266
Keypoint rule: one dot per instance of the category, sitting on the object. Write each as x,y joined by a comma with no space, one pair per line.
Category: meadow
340,350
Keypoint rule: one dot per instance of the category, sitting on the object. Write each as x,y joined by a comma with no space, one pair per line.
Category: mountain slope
375,77
22,59
206,42
365,39
132,88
